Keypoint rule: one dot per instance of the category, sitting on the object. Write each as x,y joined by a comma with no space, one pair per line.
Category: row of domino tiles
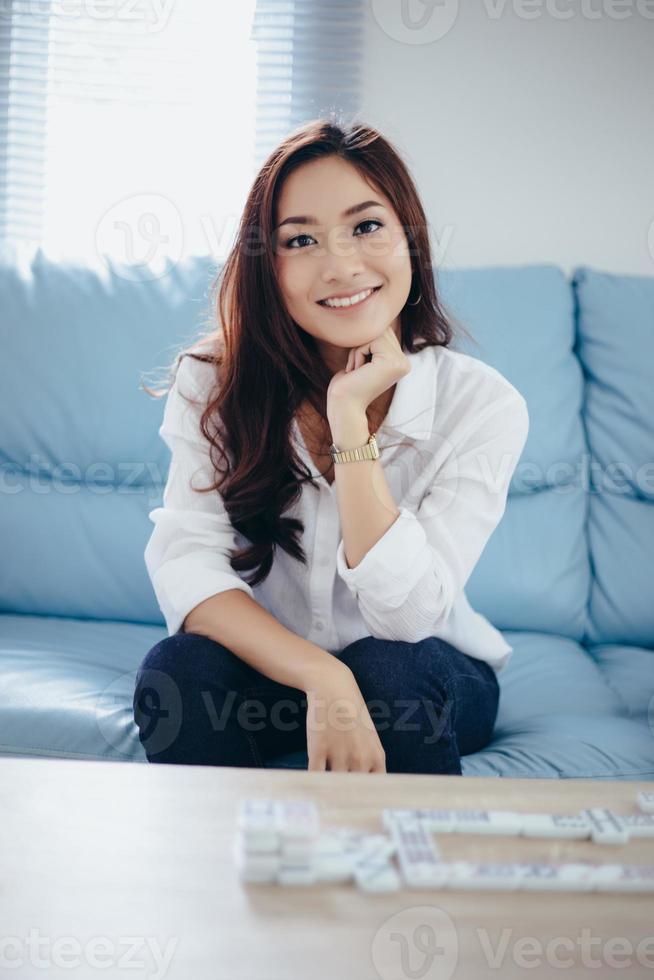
282,842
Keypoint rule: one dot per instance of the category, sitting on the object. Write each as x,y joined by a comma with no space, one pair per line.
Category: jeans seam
255,751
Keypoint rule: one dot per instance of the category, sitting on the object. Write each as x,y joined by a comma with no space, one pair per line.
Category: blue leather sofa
567,575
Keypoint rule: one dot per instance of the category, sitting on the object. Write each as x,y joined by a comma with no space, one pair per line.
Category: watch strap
370,450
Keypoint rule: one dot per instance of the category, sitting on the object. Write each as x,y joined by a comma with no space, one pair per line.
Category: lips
375,289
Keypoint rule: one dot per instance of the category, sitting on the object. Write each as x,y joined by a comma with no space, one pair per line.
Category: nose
343,269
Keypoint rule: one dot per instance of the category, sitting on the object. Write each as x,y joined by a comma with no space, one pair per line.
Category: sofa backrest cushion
81,459
534,573
615,315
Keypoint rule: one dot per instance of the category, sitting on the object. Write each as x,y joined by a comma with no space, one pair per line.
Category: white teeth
350,301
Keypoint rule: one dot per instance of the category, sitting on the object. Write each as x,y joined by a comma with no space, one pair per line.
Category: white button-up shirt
449,445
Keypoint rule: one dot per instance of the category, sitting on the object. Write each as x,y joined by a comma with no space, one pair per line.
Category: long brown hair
266,365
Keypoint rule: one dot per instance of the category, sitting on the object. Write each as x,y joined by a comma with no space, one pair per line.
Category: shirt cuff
394,565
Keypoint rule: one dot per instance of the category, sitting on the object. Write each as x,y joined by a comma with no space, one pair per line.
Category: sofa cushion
616,349
629,671
66,687
560,717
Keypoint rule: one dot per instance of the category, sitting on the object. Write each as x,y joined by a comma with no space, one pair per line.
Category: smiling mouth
349,306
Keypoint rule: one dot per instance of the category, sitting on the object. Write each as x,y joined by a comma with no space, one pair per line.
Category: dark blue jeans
197,703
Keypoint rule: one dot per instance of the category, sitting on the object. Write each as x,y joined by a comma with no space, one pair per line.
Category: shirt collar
413,405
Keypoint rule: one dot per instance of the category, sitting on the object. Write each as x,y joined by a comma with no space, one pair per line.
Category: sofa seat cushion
66,687
562,716
629,671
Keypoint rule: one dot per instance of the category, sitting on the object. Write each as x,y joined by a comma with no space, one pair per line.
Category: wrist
349,429
322,666
340,408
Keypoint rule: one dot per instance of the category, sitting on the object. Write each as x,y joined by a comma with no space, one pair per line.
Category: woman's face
334,254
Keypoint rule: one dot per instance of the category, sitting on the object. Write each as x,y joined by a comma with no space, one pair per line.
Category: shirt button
319,626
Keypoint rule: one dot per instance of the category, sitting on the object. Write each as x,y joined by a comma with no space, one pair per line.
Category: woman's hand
362,381
341,735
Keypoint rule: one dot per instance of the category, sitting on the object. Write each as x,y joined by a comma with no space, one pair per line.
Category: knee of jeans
396,656
173,652
184,661
163,663
161,657
407,669
437,654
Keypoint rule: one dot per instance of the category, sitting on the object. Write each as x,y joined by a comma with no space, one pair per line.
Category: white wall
530,136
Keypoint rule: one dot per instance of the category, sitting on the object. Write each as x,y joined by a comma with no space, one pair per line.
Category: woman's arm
252,633
409,579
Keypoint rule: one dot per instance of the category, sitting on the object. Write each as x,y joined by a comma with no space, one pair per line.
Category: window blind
308,64
127,128
23,107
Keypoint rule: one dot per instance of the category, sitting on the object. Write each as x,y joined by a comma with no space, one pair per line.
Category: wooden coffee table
130,865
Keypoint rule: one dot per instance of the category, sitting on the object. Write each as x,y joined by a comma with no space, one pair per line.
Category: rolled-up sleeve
407,583
188,554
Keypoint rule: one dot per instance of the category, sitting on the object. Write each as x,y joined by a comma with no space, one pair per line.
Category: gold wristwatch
368,451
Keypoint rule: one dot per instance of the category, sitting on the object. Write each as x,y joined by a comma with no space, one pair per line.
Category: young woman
326,439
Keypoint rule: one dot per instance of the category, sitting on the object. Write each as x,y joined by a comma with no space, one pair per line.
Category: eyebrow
303,219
